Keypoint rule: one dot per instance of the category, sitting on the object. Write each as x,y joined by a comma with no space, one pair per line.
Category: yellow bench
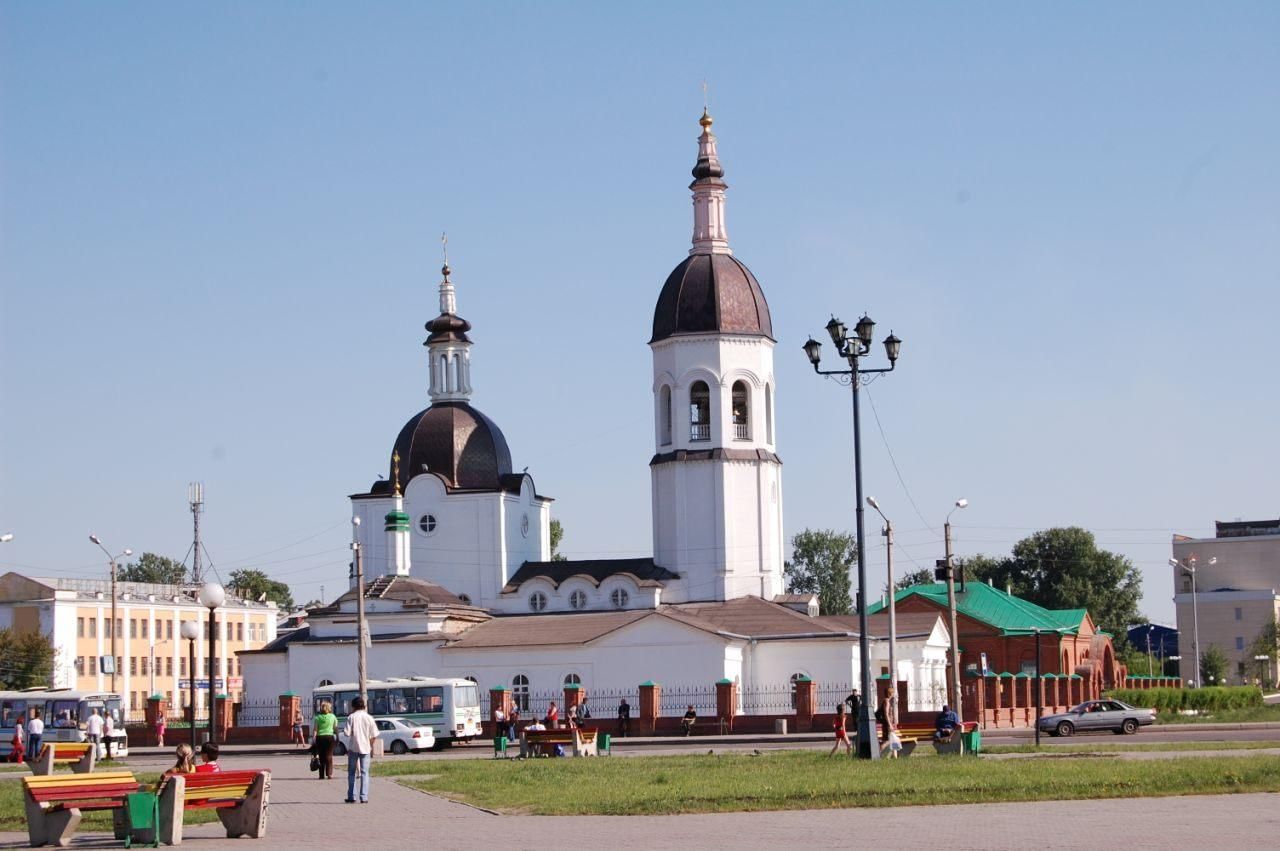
533,742
54,803
240,797
81,756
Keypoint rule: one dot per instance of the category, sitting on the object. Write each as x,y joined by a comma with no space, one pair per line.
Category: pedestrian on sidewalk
35,732
298,739
109,727
360,731
93,730
18,754
160,728
325,723
841,726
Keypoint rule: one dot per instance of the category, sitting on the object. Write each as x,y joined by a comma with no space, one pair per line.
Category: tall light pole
951,608
893,612
362,662
112,559
851,349
1150,672
190,630
1189,565
212,595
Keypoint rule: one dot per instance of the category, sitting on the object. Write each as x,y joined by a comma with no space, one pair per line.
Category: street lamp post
951,608
212,596
893,608
1189,565
1150,672
112,559
190,630
362,662
852,349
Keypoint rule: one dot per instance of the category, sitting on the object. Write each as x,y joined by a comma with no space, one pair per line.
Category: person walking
93,731
109,730
325,723
35,732
624,718
360,731
160,728
18,754
841,726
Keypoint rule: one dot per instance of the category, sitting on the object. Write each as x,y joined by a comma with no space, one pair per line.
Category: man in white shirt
35,732
360,731
109,728
93,730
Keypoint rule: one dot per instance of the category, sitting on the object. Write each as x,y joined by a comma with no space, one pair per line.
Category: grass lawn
1131,746
13,815
811,780
1269,712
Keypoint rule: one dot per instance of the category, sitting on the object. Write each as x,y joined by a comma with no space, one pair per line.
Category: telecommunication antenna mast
195,498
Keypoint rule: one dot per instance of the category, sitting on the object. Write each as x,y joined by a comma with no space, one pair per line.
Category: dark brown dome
457,443
711,293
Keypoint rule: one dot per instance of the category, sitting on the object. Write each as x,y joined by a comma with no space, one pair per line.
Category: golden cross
395,471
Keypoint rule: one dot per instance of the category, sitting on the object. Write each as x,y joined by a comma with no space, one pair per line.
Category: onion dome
456,442
711,293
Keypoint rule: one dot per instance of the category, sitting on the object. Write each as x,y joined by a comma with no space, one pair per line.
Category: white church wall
266,677
774,662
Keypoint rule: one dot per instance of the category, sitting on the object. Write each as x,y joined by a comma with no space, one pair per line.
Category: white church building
456,546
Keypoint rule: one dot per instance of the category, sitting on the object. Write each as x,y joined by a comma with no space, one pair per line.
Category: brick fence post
224,717
499,700
290,703
726,702
650,705
806,693
572,697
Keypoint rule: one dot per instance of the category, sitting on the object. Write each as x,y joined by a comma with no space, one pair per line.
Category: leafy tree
26,659
557,535
923,576
820,565
1062,568
153,568
1268,644
1213,666
254,583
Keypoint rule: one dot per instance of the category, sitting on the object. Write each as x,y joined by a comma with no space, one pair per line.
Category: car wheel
1065,728
399,747
1129,727
339,749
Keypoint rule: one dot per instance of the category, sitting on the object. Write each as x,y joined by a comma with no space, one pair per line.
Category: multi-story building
1237,577
150,656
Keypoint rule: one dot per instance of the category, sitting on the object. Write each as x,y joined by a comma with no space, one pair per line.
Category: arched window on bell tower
741,411
768,414
699,411
664,415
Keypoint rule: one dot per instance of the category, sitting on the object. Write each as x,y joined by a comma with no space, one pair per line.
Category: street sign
107,664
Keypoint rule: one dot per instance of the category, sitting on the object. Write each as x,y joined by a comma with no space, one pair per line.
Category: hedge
1212,698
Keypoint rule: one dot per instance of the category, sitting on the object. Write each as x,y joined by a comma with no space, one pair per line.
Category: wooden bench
240,797
953,745
54,803
81,756
534,742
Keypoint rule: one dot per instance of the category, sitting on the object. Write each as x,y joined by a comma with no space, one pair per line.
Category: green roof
1007,613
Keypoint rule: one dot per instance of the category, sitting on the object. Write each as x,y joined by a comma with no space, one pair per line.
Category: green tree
1062,568
923,576
253,584
153,568
820,565
26,659
1268,644
1213,666
557,535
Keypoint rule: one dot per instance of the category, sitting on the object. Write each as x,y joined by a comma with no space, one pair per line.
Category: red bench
240,797
54,803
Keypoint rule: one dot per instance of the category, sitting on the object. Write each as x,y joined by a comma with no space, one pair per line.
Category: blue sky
221,228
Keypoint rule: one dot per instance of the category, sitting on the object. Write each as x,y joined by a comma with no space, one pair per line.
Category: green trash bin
499,746
972,742
143,809
603,743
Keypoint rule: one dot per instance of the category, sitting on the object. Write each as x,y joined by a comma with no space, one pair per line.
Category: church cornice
685,455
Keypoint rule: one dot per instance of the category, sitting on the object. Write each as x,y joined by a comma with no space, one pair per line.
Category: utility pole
951,607
195,498
362,669
893,609
113,559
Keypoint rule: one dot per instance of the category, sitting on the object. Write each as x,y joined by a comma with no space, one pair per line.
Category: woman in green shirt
325,723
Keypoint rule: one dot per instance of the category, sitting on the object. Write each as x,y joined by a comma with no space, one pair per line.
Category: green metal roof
981,602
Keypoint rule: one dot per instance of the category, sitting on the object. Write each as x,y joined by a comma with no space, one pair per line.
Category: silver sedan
1098,715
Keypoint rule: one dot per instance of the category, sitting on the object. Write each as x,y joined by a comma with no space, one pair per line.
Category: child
208,753
842,732
185,763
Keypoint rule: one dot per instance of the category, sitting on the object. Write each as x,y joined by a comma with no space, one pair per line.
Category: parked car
1098,715
398,735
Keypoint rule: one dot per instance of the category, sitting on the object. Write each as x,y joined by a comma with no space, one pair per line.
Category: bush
1211,699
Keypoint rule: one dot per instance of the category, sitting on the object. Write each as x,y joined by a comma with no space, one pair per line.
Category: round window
619,597
537,601
578,600
524,525
427,523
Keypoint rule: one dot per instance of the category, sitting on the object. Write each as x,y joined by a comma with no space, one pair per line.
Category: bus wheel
339,749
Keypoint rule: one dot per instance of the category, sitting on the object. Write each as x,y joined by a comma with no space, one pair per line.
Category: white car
398,735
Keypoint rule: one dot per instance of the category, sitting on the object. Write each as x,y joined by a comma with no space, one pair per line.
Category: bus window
431,699
466,695
378,702
113,711
342,702
10,710
64,713
397,701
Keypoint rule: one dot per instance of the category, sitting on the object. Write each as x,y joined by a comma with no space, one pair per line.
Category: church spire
448,347
709,233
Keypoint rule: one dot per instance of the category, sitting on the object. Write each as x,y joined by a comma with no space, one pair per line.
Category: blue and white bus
64,712
450,707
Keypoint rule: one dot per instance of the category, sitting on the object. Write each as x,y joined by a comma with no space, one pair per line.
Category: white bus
450,707
64,712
